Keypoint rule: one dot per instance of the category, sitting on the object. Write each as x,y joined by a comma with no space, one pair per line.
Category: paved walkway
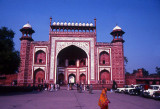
64,99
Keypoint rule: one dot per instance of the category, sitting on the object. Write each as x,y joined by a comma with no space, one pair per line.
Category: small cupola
117,34
27,32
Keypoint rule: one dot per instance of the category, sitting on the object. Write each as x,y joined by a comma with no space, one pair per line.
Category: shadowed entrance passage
82,78
69,61
71,79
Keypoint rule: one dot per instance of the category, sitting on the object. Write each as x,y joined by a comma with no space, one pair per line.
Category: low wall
8,80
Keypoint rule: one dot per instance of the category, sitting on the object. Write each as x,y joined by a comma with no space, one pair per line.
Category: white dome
69,24
76,24
58,23
54,23
87,24
117,28
91,24
61,23
65,24
72,23
80,24
84,24
27,25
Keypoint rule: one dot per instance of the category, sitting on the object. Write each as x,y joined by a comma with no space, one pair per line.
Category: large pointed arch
71,53
71,57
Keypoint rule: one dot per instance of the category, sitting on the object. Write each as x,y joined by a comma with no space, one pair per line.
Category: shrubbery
7,89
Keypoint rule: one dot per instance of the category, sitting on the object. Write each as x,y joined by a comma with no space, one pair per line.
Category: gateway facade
71,55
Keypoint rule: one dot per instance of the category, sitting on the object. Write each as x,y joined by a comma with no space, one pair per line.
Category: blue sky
140,19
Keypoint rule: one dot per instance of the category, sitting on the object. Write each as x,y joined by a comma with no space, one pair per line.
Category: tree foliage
145,72
135,71
125,60
9,57
158,70
127,73
125,63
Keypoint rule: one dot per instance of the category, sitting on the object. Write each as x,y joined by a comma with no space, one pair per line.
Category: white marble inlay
61,69
104,68
35,68
72,70
101,50
82,70
64,42
42,48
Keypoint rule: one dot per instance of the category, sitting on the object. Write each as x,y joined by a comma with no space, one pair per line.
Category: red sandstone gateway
72,55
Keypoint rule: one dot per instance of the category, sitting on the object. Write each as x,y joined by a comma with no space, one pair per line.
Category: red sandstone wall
27,54
130,79
118,64
8,79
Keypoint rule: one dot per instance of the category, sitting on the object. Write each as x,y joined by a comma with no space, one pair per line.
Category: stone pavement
64,99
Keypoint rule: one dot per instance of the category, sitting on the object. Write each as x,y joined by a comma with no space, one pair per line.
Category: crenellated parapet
72,27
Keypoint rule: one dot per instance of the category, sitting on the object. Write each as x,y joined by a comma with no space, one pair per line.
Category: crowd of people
80,87
52,87
55,87
103,100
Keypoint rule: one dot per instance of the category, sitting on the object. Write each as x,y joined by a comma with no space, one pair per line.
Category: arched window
82,62
39,76
104,58
40,57
82,78
72,62
72,78
61,78
104,76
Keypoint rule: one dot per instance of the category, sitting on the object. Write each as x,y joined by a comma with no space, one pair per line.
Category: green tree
158,70
145,72
134,71
125,60
127,73
9,57
125,63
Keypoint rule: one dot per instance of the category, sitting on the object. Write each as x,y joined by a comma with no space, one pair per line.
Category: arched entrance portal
71,59
82,78
104,76
39,77
61,78
71,79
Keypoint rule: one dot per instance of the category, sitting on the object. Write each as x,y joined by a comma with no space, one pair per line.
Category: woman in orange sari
103,100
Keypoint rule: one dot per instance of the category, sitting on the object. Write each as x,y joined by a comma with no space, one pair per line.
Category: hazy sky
140,19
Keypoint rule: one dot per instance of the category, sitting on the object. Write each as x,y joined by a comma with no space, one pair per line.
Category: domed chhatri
27,32
27,26
117,34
